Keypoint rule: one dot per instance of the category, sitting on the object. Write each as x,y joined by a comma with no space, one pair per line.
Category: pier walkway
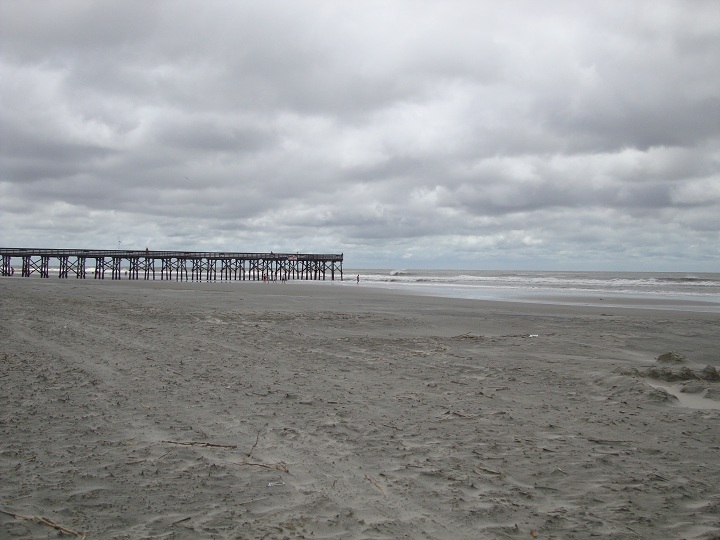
169,265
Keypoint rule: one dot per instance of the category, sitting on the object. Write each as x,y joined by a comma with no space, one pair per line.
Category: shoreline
520,299
301,410
572,297
679,302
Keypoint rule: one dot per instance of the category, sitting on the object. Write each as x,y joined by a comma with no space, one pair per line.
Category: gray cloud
432,133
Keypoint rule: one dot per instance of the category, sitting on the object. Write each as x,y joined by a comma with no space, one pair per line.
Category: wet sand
250,410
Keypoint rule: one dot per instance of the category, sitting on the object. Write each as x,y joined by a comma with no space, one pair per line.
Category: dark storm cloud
421,130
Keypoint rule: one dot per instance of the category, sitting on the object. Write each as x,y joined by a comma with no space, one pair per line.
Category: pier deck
172,265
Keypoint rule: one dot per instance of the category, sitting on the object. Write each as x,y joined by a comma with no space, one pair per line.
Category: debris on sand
668,374
671,358
709,373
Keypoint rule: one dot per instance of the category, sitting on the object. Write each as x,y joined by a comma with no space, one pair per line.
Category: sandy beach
316,410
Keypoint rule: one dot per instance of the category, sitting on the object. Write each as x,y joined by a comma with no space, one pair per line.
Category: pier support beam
141,267
41,266
177,266
100,266
7,269
230,269
149,267
67,265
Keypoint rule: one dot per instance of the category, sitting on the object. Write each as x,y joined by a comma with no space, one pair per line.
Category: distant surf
699,291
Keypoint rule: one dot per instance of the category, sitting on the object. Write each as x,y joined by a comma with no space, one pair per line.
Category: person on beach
358,278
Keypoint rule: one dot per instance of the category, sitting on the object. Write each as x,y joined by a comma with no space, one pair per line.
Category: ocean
686,291
679,290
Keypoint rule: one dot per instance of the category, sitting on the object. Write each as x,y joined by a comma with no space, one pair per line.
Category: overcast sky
460,134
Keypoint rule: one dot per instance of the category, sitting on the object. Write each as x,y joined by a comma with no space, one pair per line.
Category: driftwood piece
203,444
253,500
607,441
486,470
257,438
374,483
47,522
279,466
459,414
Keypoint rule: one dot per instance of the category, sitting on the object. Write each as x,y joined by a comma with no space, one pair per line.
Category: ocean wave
688,279
592,282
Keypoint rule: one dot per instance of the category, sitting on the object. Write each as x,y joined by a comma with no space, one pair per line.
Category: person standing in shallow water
358,278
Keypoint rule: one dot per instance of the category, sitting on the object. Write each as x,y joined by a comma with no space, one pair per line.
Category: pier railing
169,265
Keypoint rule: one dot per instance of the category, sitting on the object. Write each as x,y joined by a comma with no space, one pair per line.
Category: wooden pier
172,265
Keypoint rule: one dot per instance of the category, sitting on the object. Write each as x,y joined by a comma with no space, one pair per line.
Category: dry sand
181,410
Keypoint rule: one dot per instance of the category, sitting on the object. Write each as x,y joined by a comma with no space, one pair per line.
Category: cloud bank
417,134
